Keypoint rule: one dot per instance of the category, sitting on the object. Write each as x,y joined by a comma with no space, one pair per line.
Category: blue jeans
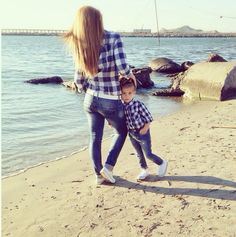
97,110
142,143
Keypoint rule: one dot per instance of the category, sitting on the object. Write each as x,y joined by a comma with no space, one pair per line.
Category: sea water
45,122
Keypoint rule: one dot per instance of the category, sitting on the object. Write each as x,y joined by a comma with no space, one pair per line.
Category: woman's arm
120,58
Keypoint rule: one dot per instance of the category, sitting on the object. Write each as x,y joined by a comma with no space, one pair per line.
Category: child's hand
143,130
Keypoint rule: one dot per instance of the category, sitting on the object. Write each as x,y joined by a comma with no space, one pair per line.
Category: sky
121,15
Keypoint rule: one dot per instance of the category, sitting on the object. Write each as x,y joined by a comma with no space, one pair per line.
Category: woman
99,61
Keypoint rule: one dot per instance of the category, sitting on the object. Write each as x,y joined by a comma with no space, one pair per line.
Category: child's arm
146,117
144,129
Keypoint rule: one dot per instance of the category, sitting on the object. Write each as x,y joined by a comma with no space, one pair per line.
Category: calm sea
46,122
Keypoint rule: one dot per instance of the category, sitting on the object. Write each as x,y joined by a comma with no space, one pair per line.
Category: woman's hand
132,76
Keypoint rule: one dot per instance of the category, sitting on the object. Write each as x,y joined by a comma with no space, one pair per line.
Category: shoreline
18,172
41,32
197,196
109,136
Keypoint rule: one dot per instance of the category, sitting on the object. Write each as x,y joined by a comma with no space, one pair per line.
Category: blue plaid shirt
112,61
137,115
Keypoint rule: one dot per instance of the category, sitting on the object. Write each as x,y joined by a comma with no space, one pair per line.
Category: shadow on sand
217,193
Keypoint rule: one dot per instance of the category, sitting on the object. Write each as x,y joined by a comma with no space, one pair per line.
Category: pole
158,35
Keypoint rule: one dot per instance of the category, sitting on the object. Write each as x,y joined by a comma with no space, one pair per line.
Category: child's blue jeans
142,144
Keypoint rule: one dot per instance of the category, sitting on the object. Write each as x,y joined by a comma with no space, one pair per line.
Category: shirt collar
130,103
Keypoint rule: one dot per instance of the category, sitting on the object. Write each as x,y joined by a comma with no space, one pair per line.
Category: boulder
143,77
215,58
168,92
176,80
213,80
53,80
186,65
174,89
165,65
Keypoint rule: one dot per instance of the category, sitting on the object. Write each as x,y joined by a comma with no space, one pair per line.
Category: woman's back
111,63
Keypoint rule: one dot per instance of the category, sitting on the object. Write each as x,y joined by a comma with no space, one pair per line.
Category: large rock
143,77
186,65
215,58
214,80
53,80
168,92
165,65
174,90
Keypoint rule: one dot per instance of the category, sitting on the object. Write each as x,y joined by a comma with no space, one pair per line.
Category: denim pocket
114,113
111,107
107,105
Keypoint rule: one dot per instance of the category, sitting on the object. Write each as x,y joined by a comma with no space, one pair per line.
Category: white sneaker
143,175
163,168
107,174
99,180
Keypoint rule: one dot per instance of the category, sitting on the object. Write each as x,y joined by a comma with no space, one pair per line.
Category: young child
138,119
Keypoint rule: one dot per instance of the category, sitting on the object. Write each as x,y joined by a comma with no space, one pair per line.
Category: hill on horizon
185,29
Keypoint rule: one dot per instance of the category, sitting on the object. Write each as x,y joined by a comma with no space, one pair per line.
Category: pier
47,32
36,32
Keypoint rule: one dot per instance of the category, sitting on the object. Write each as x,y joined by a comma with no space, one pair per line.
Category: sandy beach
196,198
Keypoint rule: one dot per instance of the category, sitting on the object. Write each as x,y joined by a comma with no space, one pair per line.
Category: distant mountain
185,29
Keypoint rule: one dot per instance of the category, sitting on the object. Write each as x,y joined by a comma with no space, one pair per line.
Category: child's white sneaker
143,174
162,168
107,174
99,180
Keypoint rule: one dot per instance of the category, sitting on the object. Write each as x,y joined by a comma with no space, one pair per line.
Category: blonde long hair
85,39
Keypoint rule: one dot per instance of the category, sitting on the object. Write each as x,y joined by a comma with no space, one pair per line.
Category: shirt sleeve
120,58
144,112
79,80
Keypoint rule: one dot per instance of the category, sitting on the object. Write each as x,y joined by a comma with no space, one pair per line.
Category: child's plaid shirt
137,115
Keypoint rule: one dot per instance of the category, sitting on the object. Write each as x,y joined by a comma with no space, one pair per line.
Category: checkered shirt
112,61
137,115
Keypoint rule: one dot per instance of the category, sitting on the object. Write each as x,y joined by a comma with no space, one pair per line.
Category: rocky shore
214,79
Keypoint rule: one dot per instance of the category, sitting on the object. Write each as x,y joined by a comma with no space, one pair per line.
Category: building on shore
143,31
